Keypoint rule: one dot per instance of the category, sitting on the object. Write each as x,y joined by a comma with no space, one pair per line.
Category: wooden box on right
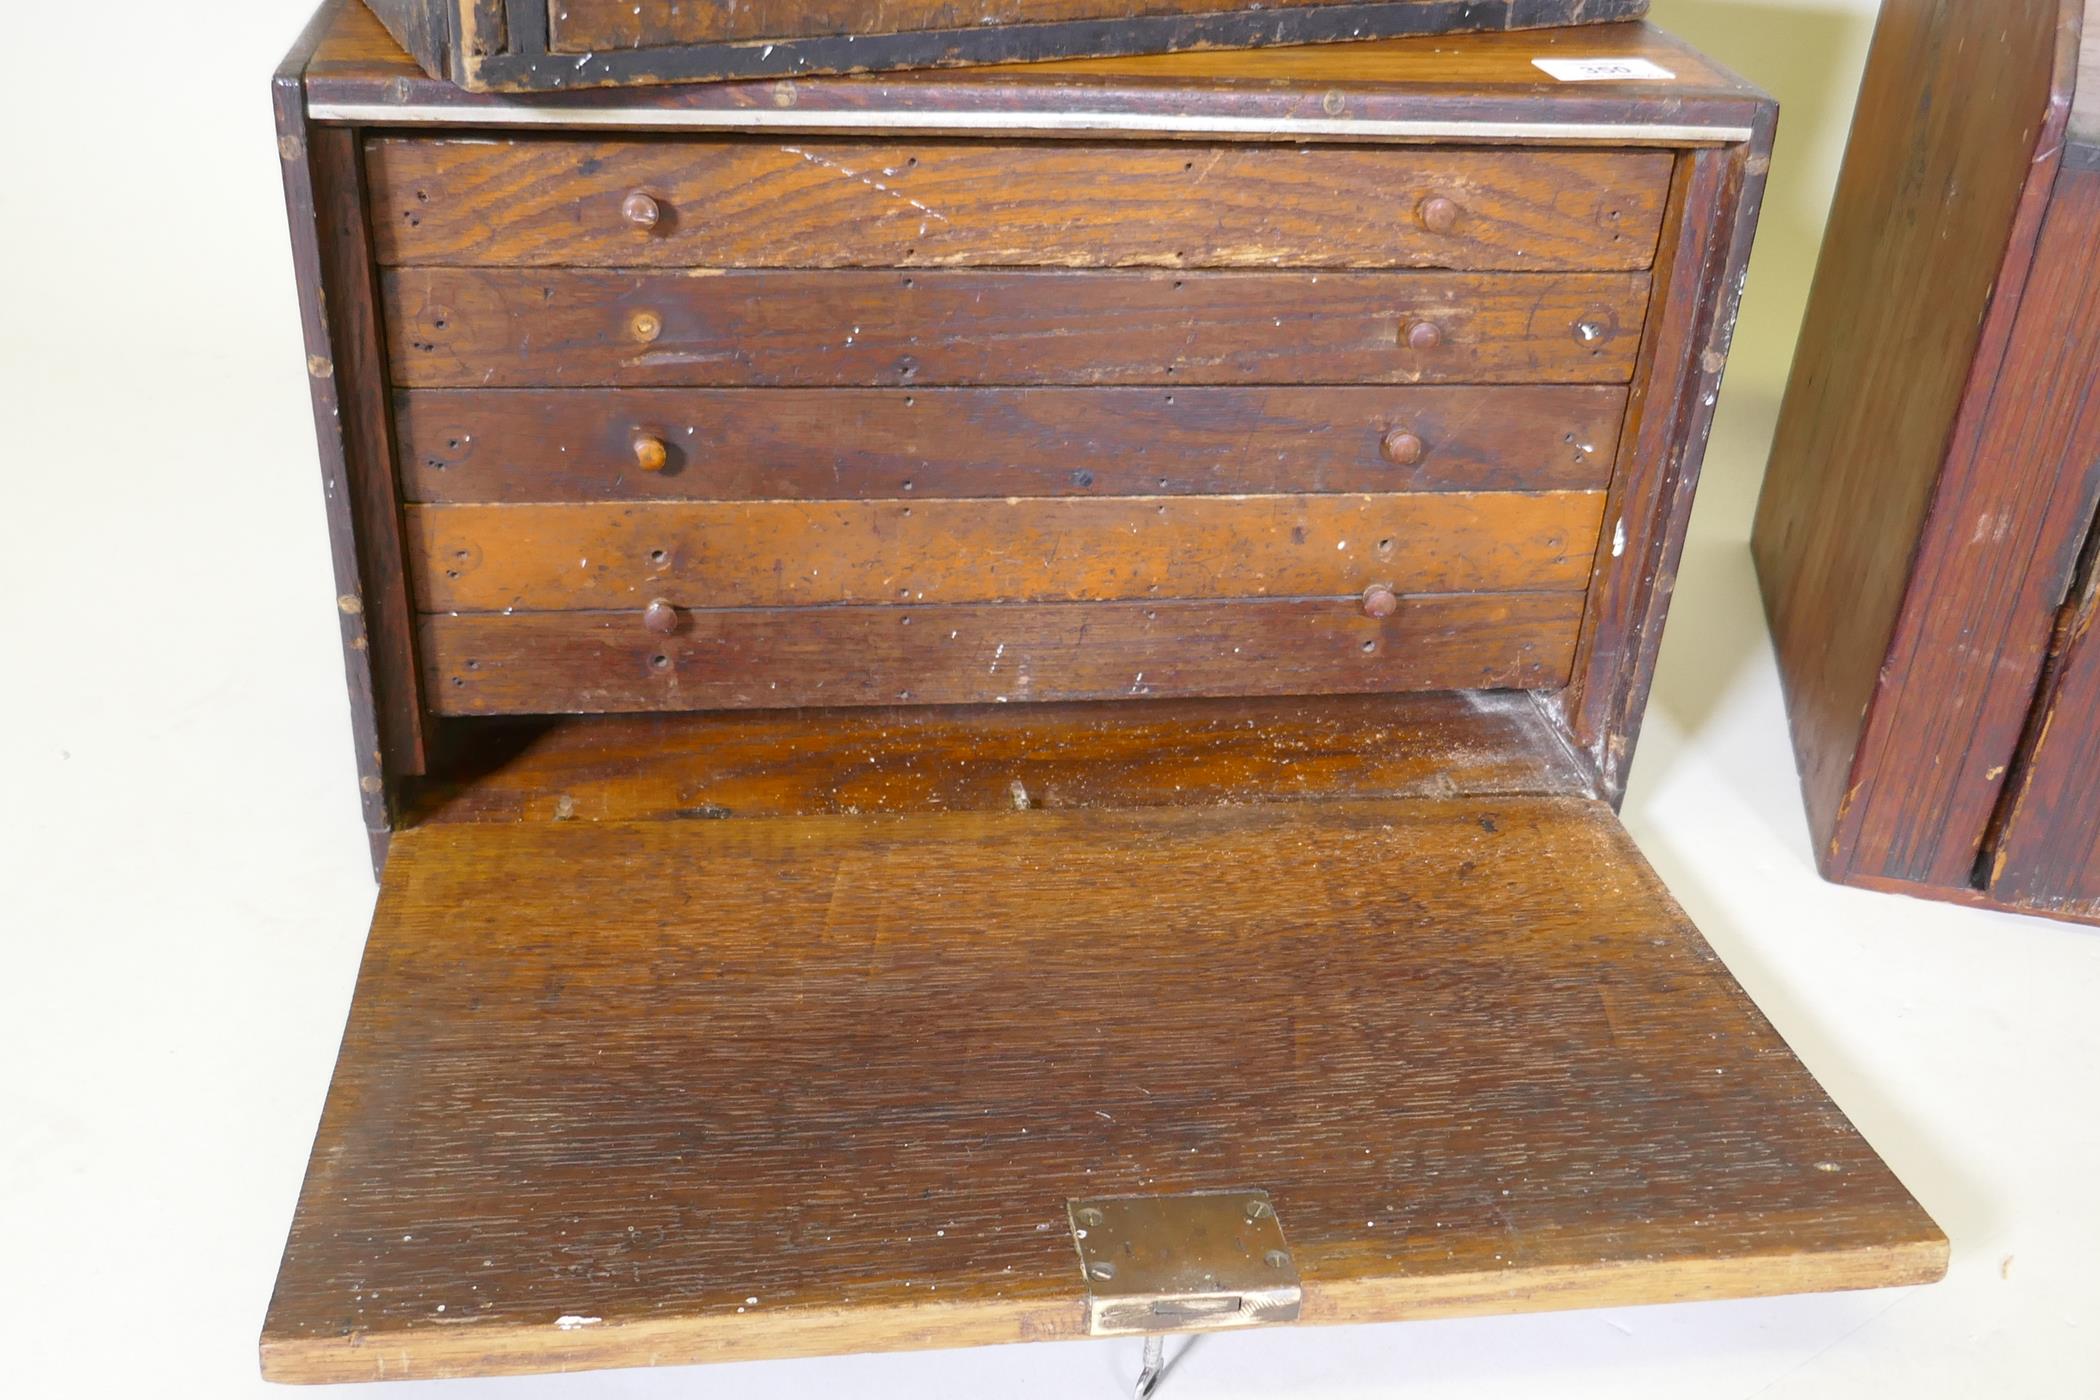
1926,538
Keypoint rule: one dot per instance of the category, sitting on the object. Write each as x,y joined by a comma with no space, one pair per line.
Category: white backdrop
184,888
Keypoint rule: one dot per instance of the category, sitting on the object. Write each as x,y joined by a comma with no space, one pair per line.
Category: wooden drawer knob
1438,214
660,617
1422,335
641,211
645,326
1380,601
1402,448
650,454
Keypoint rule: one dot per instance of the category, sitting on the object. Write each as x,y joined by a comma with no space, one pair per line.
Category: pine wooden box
956,671
537,46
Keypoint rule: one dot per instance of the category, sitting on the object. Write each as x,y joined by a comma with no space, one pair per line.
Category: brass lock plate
1193,1262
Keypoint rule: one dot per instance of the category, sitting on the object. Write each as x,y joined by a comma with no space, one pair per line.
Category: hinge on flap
1194,1262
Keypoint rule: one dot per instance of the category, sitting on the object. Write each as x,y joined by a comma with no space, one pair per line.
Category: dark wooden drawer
744,658
812,202
471,445
531,45
503,327
587,29
490,558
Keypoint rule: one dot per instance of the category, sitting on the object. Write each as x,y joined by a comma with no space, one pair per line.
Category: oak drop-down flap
623,1093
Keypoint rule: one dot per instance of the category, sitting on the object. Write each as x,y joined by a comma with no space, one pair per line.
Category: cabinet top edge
1033,124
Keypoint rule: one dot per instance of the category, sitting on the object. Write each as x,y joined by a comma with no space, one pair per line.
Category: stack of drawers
708,422
714,1035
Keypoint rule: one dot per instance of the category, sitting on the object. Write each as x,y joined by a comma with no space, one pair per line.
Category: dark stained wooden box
549,45
939,654
1926,536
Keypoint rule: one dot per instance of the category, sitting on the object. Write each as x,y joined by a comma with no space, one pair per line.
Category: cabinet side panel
294,149
364,407
2048,857
1691,321
1952,106
2049,854
1994,565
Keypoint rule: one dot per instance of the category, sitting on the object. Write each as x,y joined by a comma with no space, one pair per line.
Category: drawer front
480,445
547,663
779,553
498,327
743,203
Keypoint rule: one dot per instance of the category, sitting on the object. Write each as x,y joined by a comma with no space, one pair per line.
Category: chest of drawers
949,667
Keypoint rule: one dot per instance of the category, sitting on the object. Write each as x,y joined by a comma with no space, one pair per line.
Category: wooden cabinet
532,45
987,695
1936,471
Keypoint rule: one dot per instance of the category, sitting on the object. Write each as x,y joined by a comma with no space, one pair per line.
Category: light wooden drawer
785,553
475,327
746,658
479,445
812,202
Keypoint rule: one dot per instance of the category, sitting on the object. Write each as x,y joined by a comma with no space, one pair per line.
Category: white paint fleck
1618,538
569,1322
870,181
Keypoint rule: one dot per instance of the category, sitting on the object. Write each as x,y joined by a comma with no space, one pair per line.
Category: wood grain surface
1677,382
783,553
466,445
815,202
1485,75
2084,128
598,662
915,758
665,1092
1875,490
504,327
1996,558
525,45
324,209
369,478
2047,856
584,26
